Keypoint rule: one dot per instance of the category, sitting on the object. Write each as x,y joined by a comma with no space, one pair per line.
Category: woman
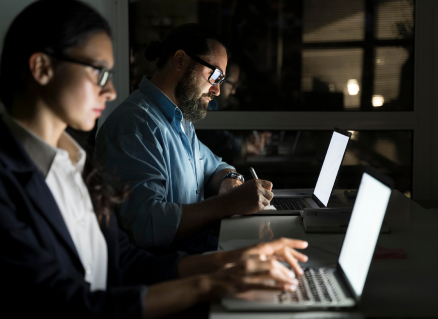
61,255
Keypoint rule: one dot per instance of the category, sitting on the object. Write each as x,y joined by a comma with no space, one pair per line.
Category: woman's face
74,95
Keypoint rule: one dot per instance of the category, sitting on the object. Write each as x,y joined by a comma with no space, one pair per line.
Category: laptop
288,204
342,286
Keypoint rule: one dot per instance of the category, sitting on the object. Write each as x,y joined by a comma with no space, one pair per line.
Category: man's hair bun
153,50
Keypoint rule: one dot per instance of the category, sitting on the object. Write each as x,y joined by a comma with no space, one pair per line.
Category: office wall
8,11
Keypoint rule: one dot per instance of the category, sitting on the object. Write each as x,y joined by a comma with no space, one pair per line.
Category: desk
394,288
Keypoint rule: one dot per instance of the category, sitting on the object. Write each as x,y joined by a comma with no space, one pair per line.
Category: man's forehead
218,56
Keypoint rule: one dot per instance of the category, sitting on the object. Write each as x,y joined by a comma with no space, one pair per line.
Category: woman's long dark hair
53,25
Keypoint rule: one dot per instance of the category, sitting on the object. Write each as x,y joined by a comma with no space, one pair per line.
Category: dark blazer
41,273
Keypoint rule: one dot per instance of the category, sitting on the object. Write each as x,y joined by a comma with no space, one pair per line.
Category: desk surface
394,288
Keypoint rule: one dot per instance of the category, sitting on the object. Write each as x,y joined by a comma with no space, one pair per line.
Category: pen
253,173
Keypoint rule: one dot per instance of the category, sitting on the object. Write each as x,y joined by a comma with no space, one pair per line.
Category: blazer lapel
16,160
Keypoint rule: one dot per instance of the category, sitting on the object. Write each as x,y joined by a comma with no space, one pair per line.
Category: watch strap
235,175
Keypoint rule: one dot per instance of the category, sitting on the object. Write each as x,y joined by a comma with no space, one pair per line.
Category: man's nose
215,89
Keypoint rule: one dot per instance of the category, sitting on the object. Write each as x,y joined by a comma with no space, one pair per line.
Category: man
149,140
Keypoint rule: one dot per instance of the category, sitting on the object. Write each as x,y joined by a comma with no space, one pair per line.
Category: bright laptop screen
330,167
363,230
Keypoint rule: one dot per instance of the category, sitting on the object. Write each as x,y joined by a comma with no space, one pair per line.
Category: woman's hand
255,272
282,249
228,273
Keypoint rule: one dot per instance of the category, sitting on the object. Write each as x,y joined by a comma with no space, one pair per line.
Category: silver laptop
342,286
288,204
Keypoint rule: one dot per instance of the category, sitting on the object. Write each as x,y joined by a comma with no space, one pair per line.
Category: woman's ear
41,68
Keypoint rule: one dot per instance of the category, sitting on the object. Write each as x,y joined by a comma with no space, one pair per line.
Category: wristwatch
235,175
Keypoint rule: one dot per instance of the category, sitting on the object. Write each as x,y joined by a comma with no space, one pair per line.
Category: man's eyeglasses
234,85
217,77
105,74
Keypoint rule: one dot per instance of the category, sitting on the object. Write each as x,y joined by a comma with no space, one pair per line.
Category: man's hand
249,198
228,184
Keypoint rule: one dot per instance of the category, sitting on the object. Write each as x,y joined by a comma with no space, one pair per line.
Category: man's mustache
209,95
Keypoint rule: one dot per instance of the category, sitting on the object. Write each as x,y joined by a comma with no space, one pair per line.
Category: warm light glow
354,135
353,87
378,100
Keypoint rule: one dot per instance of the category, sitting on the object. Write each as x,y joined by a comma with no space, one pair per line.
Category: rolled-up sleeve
139,162
212,165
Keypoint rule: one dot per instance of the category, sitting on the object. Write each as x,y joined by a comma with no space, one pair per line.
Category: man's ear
180,60
41,68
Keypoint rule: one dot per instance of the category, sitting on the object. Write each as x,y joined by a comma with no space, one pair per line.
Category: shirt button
81,223
88,269
197,191
190,160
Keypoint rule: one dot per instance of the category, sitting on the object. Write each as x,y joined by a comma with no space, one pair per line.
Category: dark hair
53,25
190,37
105,189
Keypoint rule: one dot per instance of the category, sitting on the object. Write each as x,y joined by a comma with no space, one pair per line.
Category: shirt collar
42,153
169,109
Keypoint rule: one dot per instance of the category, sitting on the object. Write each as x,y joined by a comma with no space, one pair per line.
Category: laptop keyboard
314,286
289,203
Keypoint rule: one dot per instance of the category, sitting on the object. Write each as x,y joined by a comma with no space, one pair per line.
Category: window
302,55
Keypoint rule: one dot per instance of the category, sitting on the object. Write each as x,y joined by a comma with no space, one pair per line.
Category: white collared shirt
62,167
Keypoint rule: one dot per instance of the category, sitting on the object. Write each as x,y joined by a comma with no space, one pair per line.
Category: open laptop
342,286
288,204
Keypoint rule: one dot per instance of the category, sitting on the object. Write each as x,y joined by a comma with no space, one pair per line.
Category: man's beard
191,102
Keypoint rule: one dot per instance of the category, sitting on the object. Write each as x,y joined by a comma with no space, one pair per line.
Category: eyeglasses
234,85
217,77
105,74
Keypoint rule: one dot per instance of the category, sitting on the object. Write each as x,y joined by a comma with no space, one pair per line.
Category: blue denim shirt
142,141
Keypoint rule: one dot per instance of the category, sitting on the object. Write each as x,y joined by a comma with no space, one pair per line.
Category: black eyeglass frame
208,65
105,74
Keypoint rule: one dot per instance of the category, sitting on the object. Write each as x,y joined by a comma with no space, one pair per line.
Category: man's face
193,91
